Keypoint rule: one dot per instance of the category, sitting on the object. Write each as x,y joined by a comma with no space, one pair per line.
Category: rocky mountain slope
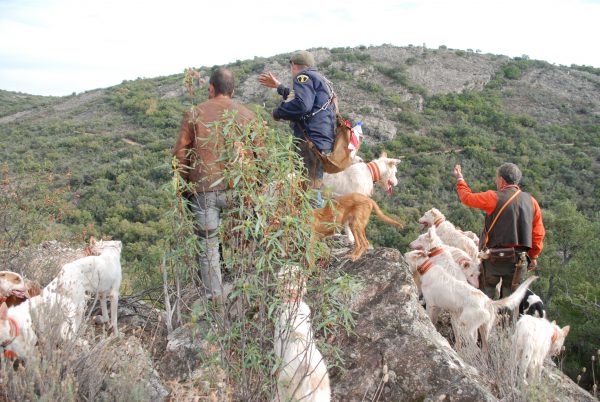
97,162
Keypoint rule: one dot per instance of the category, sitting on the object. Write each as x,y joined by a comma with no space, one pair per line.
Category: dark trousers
493,272
314,168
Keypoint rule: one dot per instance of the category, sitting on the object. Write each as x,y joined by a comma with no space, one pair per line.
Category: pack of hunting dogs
444,260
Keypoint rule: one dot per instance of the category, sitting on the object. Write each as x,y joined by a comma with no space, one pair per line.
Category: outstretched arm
486,200
268,80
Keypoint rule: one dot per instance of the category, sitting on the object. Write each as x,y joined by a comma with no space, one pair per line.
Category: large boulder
392,329
394,333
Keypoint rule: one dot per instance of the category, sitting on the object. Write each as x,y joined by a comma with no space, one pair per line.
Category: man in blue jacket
310,107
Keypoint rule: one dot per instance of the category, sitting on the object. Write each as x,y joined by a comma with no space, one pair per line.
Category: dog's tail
384,217
511,302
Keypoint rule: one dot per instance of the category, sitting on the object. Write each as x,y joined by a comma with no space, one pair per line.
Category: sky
58,47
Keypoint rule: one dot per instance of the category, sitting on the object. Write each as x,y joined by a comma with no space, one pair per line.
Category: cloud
61,46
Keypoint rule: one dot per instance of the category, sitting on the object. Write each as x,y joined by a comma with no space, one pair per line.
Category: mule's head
11,283
430,217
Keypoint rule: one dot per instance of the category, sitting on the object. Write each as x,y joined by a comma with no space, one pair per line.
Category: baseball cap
303,57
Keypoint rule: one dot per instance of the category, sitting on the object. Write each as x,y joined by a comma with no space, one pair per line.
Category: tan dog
354,209
361,178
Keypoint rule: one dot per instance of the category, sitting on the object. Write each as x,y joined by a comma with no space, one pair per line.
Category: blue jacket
310,93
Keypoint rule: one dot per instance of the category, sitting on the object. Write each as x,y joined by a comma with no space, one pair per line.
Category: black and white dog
532,305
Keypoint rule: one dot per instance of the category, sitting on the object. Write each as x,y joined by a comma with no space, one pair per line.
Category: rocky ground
394,352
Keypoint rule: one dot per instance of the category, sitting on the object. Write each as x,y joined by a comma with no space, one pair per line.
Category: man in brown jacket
199,150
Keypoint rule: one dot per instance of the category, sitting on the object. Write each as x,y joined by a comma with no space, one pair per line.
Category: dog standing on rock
355,210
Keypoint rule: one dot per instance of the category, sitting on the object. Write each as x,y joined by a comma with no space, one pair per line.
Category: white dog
65,298
456,261
535,339
361,177
470,307
449,233
303,372
99,274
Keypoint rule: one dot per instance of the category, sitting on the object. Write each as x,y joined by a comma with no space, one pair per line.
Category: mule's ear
553,322
396,161
92,240
566,330
3,311
383,154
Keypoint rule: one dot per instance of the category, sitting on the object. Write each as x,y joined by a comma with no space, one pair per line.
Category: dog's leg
433,312
114,304
349,234
360,239
101,319
484,334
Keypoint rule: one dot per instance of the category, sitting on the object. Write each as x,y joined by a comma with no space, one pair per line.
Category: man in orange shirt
513,220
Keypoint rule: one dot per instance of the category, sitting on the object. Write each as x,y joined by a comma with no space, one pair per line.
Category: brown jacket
201,146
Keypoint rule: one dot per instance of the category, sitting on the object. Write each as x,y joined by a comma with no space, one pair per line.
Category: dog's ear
566,330
3,311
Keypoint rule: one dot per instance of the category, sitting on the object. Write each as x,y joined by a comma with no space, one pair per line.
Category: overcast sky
57,47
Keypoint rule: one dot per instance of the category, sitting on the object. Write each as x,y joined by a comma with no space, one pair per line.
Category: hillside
99,162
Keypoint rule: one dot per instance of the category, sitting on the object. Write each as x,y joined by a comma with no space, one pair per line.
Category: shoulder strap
487,232
332,97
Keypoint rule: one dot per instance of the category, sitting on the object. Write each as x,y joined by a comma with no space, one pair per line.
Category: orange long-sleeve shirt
487,201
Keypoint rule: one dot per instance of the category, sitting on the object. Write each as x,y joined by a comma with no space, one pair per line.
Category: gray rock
392,329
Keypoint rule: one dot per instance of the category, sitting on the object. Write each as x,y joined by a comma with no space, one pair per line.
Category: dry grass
498,369
89,366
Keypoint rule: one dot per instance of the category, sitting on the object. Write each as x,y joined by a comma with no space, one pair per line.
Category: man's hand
532,265
268,80
457,172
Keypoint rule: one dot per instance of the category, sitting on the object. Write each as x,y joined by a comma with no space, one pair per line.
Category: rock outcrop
393,331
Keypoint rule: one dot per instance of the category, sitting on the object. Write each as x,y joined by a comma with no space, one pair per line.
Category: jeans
314,168
207,208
